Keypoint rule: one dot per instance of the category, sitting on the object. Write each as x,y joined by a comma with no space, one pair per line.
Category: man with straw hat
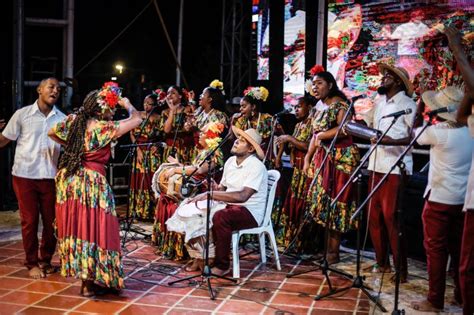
244,189
395,92
444,195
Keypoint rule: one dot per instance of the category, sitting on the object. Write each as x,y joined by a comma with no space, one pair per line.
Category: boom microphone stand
324,265
398,163
359,279
207,274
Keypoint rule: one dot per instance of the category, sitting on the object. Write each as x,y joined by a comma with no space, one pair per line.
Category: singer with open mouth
395,102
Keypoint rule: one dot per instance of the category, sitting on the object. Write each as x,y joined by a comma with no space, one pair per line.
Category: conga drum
169,186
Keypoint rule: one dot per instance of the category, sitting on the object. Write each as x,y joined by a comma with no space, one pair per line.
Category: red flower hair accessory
161,94
108,96
316,69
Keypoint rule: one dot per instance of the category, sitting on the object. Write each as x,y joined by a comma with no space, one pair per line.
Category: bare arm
465,109
131,122
55,138
4,141
234,196
454,40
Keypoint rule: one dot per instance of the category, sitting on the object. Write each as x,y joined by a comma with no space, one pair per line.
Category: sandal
86,288
47,268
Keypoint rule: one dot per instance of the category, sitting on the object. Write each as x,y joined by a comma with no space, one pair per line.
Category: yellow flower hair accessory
259,93
308,86
213,132
217,85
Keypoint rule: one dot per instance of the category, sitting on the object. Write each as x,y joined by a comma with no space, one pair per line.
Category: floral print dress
183,145
333,175
142,198
87,224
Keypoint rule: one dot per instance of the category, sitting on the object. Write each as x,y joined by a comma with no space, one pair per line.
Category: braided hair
74,149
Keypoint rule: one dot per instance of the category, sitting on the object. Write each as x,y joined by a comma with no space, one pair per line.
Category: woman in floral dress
180,142
170,244
295,201
211,108
148,158
250,115
87,224
337,168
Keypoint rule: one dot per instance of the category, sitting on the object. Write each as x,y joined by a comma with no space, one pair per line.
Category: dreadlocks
74,149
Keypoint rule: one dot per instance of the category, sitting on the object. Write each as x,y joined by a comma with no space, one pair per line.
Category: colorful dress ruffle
215,116
261,122
336,171
142,198
171,244
295,202
180,143
87,224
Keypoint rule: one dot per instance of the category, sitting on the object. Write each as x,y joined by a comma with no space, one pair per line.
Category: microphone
447,109
399,113
283,112
355,98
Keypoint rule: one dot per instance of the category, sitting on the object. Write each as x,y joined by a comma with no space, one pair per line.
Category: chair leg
271,234
235,256
263,252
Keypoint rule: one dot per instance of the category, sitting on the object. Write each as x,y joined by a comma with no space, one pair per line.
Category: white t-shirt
469,201
250,173
36,155
386,155
450,161
407,34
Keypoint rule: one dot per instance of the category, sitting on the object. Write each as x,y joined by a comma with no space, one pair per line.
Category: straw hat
252,137
399,72
449,96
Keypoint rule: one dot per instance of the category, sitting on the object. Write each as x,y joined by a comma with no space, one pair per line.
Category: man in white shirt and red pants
243,188
33,171
396,91
450,161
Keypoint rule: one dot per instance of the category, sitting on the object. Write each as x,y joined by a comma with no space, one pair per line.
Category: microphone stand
131,206
401,165
324,265
206,274
359,279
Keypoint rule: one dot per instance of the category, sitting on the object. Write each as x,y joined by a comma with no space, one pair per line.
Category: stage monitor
409,35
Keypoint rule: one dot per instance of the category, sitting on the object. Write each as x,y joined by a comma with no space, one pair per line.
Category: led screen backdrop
261,27
362,33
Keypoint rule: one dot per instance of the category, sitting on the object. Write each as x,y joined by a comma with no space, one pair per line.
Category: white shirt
36,155
469,201
250,173
450,161
385,156
407,34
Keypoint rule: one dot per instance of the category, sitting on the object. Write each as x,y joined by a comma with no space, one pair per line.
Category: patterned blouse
202,118
261,122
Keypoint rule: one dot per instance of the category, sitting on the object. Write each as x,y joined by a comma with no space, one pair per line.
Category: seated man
244,189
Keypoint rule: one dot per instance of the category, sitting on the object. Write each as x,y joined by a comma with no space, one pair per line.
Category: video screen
261,29
409,35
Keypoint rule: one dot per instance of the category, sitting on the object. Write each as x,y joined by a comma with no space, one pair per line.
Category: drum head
159,182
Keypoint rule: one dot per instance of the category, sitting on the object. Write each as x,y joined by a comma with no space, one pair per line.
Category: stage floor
262,289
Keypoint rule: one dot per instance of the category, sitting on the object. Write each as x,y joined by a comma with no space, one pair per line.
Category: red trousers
466,266
442,232
35,197
224,222
383,224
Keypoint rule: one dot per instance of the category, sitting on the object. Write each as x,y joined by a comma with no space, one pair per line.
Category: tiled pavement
262,290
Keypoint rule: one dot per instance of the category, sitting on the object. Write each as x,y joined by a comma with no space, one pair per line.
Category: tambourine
361,131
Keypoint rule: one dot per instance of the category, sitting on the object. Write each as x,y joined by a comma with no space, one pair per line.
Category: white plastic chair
265,227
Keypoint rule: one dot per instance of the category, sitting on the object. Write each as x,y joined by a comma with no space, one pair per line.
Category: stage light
119,67
113,78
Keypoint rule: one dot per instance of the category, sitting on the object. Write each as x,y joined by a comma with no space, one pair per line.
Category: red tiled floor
291,299
4,292
9,308
336,304
285,309
159,299
5,270
45,286
204,304
20,297
61,302
261,297
185,311
104,307
172,290
233,306
143,309
40,311
13,283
